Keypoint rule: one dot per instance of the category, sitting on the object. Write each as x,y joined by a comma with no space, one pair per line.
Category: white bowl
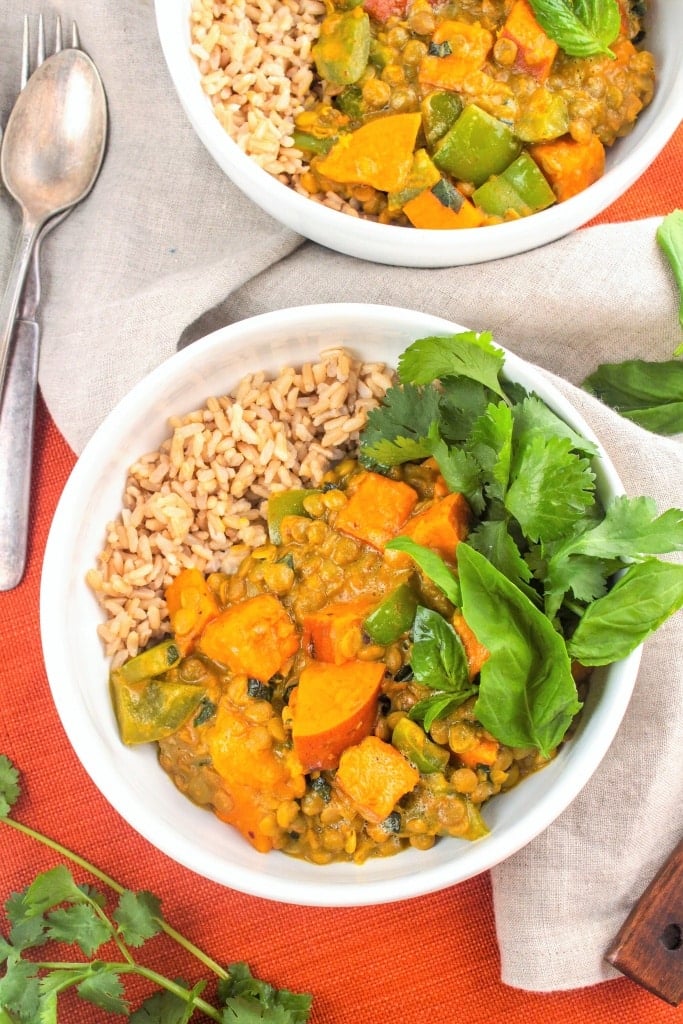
411,247
130,777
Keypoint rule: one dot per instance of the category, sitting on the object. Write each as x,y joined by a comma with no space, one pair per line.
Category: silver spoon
51,154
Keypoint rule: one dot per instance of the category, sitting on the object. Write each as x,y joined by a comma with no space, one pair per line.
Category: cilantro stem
168,929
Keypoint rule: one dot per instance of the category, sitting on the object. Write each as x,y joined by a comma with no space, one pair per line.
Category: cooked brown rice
200,499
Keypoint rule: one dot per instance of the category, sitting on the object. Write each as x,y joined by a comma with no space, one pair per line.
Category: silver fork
17,412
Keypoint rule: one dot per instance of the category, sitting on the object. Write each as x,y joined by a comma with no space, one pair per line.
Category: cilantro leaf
670,239
630,529
166,1007
647,393
491,444
406,414
492,539
551,487
431,564
103,987
19,992
467,354
582,28
78,923
527,696
250,999
9,785
462,402
638,603
461,471
27,930
533,415
49,889
138,916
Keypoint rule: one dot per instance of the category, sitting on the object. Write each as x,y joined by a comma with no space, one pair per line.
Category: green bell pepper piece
413,743
152,662
393,616
285,503
521,187
439,111
528,180
311,143
150,709
476,146
343,47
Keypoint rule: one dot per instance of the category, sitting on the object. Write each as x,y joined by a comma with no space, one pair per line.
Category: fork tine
40,48
75,38
25,58
58,35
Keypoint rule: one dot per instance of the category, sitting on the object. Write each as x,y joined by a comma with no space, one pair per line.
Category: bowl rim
357,886
393,244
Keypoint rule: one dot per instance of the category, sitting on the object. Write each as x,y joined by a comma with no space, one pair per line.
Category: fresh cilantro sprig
535,574
55,909
582,28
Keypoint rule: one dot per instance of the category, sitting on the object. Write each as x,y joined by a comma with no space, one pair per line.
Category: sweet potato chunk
441,526
535,50
379,153
374,775
334,707
470,46
427,211
484,751
476,653
376,510
335,631
190,606
570,166
254,637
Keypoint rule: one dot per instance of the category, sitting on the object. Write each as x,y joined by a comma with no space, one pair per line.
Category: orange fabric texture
432,960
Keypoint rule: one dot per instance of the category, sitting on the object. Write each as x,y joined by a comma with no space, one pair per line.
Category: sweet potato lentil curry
283,701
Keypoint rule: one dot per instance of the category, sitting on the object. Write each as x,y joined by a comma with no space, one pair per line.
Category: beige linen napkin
166,249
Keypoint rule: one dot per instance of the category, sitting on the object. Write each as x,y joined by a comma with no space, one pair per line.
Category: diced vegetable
312,143
382,10
341,52
379,153
150,709
393,616
428,211
413,742
477,146
440,110
570,166
521,187
375,775
376,510
285,503
468,47
484,751
535,50
545,116
152,662
334,707
335,632
191,605
441,526
476,653
254,637
254,775
423,174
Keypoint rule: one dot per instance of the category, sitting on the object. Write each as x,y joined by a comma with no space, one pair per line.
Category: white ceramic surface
130,778
399,246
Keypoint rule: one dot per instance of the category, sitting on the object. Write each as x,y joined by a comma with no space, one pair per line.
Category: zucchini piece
152,662
150,709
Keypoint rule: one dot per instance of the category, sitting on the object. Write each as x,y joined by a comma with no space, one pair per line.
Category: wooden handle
649,946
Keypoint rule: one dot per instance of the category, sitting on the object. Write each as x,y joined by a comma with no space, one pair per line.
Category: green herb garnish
647,393
582,28
535,573
55,909
670,238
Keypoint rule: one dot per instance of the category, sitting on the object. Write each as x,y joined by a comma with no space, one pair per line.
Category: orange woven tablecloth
432,960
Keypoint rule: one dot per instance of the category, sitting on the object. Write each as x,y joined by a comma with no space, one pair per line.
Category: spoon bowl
51,154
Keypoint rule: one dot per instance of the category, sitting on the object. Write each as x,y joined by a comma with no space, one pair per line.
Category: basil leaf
467,354
638,603
670,238
582,29
431,564
527,695
648,393
439,661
